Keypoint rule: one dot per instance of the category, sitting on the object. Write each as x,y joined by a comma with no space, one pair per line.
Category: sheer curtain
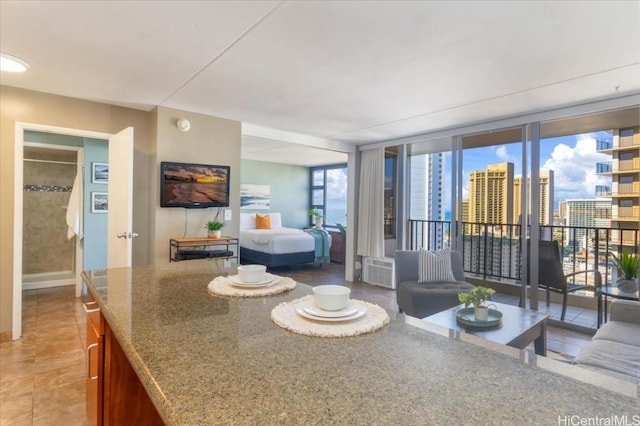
371,204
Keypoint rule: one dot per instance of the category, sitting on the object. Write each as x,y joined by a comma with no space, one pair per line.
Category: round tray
466,316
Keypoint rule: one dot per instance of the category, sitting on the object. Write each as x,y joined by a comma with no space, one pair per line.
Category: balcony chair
552,278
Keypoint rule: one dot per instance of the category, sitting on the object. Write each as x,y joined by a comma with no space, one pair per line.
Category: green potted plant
317,217
627,264
214,228
477,297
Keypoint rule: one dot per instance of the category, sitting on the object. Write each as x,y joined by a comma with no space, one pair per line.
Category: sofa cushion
615,356
435,267
420,300
619,331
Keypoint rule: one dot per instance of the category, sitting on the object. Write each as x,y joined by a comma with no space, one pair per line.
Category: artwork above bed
254,196
267,242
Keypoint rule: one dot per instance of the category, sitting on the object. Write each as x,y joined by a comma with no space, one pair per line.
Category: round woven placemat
222,286
285,316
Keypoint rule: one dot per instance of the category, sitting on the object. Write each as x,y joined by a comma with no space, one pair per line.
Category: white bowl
331,297
251,273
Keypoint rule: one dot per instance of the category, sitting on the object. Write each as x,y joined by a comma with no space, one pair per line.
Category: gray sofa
423,299
615,348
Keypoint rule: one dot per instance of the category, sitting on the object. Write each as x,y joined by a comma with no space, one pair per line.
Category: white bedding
277,241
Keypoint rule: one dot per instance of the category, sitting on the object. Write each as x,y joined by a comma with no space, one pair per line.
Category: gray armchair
423,299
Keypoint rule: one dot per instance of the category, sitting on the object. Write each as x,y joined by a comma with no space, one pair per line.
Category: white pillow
435,267
247,221
276,220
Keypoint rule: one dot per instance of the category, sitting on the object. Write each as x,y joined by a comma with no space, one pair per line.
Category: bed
277,246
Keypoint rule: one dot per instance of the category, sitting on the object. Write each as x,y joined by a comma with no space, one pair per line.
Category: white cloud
575,168
502,153
336,185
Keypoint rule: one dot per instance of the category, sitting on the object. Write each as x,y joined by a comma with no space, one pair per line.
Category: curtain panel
371,204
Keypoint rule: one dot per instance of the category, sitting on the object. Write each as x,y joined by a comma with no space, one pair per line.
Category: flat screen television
194,185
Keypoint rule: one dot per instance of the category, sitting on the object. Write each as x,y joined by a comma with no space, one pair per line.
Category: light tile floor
42,374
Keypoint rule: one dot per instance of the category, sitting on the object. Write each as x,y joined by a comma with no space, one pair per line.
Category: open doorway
20,130
50,254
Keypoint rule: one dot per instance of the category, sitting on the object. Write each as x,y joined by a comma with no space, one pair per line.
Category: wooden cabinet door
126,401
95,366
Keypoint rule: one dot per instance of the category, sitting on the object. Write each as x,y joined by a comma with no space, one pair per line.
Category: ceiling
330,74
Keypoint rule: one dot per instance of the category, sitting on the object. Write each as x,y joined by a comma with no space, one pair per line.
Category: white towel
74,209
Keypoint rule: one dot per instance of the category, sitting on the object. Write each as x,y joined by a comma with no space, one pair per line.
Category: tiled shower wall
45,247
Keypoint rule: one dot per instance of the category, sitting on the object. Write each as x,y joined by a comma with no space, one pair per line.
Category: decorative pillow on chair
263,221
435,266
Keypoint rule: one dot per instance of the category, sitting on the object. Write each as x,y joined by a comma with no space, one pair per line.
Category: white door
120,214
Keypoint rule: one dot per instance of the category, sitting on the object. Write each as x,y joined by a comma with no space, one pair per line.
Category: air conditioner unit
379,272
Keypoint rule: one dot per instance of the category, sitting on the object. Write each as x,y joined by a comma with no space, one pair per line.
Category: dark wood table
604,292
518,328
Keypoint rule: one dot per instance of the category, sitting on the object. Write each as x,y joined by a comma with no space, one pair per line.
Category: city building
545,197
491,194
624,170
425,200
427,173
582,215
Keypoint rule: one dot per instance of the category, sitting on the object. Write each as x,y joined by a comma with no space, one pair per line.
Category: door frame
18,222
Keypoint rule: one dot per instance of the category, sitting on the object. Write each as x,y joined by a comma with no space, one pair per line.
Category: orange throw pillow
263,222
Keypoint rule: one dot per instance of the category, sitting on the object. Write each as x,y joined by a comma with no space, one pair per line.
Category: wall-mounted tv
193,185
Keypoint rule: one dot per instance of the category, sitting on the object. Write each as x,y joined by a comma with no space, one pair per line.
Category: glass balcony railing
492,251
604,167
603,145
603,191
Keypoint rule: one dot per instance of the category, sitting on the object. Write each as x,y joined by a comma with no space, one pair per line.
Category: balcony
603,191
491,253
627,165
602,168
604,145
628,189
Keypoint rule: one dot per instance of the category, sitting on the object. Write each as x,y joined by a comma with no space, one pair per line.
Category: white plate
312,309
360,312
268,280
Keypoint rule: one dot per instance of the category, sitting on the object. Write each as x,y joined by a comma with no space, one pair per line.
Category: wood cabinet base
125,399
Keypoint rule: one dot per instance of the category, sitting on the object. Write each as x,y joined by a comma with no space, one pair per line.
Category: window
390,188
625,156
329,193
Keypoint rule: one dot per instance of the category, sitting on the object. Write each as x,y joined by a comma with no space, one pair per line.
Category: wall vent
379,272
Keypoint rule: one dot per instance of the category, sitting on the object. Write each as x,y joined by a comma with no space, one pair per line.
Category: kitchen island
206,360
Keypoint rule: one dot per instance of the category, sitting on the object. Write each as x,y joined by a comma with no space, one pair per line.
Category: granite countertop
208,360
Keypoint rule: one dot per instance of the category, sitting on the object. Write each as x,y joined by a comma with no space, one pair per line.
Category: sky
572,158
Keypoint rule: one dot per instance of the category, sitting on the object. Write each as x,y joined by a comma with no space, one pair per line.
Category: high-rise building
624,170
491,194
425,201
427,175
582,215
545,197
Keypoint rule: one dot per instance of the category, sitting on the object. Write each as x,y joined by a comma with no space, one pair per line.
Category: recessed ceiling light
12,64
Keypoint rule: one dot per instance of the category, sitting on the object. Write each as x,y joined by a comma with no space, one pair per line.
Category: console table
202,248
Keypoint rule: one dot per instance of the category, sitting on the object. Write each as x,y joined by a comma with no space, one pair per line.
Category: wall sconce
183,124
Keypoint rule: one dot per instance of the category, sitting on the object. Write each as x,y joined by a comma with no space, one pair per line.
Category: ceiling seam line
426,114
223,51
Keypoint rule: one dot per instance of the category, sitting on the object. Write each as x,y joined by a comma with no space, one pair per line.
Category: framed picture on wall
99,202
254,196
100,173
